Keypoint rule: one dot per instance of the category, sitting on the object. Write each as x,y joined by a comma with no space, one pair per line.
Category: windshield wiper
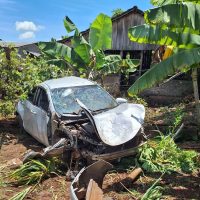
104,109
73,113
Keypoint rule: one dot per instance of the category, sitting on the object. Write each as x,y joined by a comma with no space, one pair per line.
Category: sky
41,20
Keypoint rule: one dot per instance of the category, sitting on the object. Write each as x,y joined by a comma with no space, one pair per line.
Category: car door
28,112
41,118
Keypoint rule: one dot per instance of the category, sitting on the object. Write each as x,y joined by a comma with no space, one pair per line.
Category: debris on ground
14,163
95,172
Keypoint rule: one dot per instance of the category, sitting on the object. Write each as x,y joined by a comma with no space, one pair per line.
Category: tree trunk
196,96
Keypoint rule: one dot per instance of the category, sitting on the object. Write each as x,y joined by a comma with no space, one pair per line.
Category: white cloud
27,35
27,26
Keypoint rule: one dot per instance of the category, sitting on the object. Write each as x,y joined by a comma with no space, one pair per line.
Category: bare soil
14,145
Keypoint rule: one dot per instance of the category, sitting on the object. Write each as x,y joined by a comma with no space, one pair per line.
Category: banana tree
87,58
175,23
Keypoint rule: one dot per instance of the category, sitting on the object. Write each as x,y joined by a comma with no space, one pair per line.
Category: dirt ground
13,145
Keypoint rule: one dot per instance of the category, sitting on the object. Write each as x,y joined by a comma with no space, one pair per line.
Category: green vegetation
21,195
19,75
162,155
85,57
117,12
154,192
177,120
174,23
34,171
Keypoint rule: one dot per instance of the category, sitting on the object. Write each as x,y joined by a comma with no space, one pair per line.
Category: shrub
19,75
163,155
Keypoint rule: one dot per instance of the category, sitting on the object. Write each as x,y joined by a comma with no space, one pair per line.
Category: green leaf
60,51
182,16
115,64
56,50
82,48
58,62
165,2
167,67
21,195
101,32
69,25
156,35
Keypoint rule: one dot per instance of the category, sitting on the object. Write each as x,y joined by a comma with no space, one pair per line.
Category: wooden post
141,59
196,96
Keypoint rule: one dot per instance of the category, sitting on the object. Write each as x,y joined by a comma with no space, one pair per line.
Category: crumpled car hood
121,124
118,125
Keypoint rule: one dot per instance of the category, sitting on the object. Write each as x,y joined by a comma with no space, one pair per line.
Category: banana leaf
58,62
115,64
82,48
56,50
160,71
183,15
156,35
69,25
101,32
165,2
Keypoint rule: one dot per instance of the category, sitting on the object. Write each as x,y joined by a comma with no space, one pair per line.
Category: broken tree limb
135,173
126,181
131,177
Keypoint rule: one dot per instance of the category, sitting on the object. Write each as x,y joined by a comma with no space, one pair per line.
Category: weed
34,171
154,192
177,119
21,195
132,192
163,155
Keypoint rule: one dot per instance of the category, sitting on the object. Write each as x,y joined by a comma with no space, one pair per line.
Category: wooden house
121,43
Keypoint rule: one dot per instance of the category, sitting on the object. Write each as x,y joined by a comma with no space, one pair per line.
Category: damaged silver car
94,124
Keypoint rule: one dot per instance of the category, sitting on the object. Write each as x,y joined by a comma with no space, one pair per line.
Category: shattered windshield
93,96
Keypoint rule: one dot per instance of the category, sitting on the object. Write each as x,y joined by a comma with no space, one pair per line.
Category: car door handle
33,112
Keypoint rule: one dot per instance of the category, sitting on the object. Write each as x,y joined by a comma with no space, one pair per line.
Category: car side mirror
121,100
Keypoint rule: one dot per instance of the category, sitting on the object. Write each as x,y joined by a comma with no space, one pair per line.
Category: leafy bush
163,155
19,75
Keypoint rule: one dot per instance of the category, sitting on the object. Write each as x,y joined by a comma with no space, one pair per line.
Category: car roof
70,81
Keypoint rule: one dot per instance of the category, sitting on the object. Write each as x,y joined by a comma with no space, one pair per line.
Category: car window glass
94,97
32,94
42,100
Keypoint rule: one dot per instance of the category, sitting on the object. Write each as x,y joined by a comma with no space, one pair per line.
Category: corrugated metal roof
15,44
30,48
